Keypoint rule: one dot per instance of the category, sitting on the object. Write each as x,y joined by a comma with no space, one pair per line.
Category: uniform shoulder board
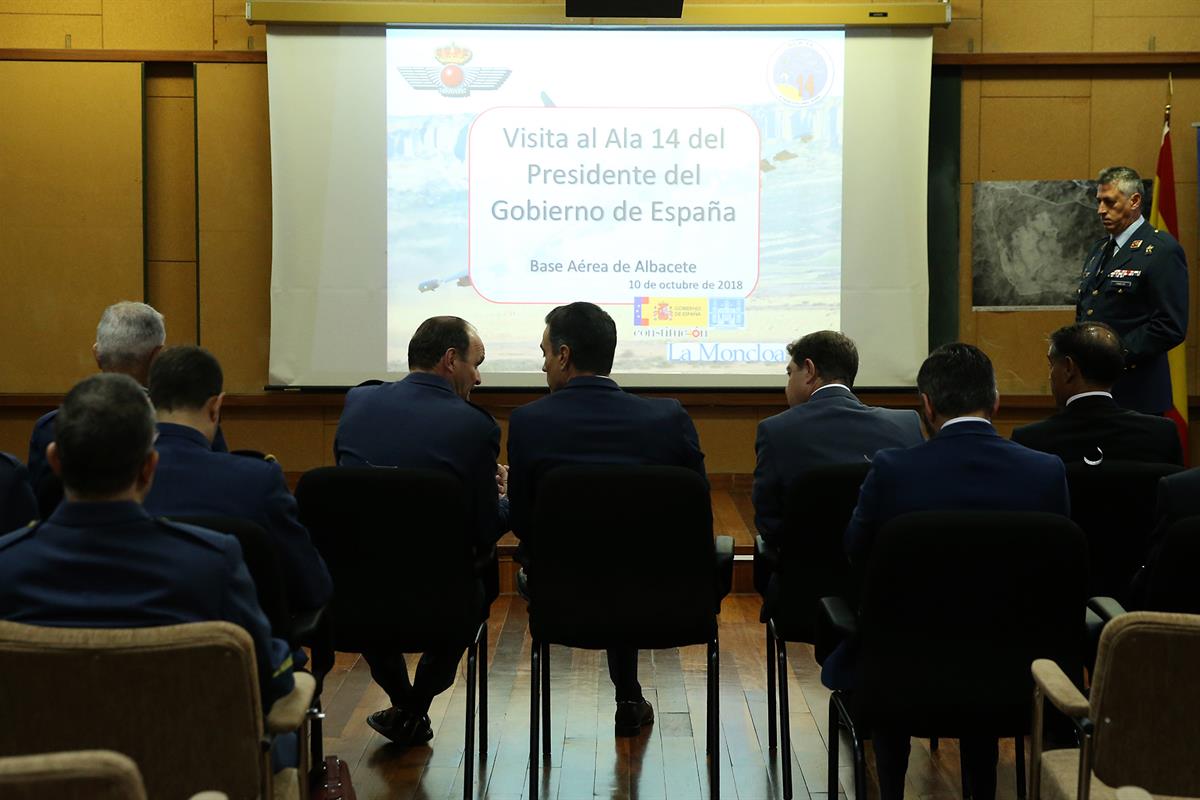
21,533
482,410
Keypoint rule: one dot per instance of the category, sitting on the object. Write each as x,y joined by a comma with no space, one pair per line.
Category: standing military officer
1136,280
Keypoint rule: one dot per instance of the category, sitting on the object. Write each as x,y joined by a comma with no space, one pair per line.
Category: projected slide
690,182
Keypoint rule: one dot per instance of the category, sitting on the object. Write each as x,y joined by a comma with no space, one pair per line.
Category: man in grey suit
825,425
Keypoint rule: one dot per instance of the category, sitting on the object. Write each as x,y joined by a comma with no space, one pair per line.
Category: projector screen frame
931,13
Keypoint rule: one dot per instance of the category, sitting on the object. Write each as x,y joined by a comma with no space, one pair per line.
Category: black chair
399,544
623,556
262,559
1114,503
805,563
955,606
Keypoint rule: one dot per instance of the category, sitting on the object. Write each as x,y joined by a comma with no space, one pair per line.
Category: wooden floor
666,762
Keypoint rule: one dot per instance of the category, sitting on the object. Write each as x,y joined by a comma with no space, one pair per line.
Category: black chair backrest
1172,584
956,605
262,559
623,555
812,547
398,544
1114,503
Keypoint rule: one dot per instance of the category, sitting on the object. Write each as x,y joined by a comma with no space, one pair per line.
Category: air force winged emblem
454,79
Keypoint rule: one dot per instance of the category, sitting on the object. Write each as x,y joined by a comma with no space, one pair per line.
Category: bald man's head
1086,356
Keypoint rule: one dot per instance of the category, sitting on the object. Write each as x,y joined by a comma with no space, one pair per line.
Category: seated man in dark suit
100,561
17,504
588,419
965,465
1086,359
192,479
1178,497
826,424
128,338
426,421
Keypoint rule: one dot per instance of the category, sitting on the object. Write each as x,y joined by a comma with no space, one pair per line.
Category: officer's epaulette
12,538
482,410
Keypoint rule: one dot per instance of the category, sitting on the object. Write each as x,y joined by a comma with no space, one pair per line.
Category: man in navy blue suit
826,424
426,421
965,465
192,479
128,338
588,419
100,561
1086,359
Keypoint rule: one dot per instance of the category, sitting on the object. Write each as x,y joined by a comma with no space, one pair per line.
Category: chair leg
856,744
962,772
546,702
535,773
468,752
1019,753
770,689
834,744
785,724
714,717
483,672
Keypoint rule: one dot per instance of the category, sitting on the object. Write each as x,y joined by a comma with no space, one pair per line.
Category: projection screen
718,192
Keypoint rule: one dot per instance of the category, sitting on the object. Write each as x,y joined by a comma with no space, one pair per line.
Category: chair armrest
288,712
305,624
766,561
838,617
1059,690
1107,608
836,622
724,548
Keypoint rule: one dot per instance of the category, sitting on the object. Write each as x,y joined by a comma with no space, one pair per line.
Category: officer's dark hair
184,378
832,353
103,433
1094,347
434,337
590,333
958,379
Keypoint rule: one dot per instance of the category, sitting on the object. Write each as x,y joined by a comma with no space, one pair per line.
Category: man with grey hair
1135,280
128,338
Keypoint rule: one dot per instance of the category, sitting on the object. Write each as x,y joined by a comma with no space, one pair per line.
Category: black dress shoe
632,715
401,727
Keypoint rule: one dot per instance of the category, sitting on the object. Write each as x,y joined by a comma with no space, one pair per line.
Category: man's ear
448,358
1135,199
564,356
146,474
811,369
926,408
54,459
213,407
96,353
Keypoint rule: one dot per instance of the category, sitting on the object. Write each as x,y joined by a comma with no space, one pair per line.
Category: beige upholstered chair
181,700
81,775
1141,726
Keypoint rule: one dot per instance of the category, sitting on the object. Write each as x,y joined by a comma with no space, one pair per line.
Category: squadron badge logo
454,79
800,73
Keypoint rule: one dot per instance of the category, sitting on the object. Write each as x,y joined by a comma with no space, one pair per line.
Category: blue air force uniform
110,565
1141,290
43,435
17,504
191,479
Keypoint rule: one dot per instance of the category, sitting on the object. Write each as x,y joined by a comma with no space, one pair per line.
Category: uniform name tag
1125,284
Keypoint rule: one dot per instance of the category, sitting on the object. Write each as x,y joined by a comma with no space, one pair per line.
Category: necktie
1110,247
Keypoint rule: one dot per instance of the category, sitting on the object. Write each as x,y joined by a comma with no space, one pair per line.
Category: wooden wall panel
1037,26
1033,138
70,213
1122,35
154,25
50,31
234,182
51,7
1016,341
172,290
963,36
170,179
234,33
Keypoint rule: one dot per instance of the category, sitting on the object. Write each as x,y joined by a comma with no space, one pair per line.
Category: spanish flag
1164,218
